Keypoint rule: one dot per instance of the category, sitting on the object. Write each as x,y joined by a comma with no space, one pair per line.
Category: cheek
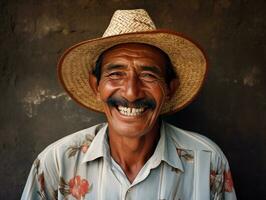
107,88
158,91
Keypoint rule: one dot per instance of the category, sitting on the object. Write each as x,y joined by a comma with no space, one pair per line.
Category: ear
94,85
172,87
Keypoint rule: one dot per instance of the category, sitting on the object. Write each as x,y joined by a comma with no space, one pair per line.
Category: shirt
184,166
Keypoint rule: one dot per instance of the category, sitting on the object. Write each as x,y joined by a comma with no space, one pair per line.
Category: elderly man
134,74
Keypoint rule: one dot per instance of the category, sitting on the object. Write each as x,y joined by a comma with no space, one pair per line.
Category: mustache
120,101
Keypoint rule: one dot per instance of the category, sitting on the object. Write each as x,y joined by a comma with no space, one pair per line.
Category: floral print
77,187
216,185
228,181
185,154
176,170
64,170
41,181
72,150
220,183
36,165
84,148
40,178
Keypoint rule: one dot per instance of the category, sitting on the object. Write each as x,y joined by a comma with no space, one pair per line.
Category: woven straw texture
135,27
129,21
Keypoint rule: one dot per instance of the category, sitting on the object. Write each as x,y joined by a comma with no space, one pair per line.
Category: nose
133,88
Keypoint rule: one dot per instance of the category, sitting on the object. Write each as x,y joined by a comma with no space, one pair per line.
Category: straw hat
133,26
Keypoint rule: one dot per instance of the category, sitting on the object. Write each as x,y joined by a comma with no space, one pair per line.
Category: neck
131,153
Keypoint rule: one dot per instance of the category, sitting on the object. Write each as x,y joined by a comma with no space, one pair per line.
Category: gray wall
35,111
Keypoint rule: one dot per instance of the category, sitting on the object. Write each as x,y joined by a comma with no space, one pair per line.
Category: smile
127,111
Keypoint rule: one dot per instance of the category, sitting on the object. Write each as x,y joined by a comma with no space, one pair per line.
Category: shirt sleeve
229,190
41,183
221,182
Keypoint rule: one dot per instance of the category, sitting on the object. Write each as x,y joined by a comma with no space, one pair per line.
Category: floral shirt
184,166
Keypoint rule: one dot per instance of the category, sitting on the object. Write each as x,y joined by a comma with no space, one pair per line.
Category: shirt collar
165,150
99,146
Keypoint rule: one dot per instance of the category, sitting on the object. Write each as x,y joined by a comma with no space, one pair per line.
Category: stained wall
35,111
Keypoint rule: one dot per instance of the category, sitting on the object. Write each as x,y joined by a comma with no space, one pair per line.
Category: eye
149,77
115,75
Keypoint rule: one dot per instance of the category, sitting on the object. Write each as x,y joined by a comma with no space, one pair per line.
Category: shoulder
69,145
194,142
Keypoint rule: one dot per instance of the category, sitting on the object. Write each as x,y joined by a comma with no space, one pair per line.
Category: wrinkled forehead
136,50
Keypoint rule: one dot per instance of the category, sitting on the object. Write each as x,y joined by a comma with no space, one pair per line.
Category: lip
130,118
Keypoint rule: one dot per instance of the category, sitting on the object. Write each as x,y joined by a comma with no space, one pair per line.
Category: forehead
135,51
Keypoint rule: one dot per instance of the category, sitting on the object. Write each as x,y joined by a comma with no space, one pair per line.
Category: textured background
35,111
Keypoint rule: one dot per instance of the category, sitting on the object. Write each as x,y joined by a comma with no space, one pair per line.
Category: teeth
130,111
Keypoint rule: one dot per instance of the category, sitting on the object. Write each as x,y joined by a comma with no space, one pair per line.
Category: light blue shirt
184,166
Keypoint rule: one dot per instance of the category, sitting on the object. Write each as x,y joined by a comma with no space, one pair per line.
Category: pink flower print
41,181
228,181
78,188
84,148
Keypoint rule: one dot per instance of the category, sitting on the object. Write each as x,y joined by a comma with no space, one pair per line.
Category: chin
130,131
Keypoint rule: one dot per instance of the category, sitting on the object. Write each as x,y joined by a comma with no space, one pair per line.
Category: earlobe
94,85
172,87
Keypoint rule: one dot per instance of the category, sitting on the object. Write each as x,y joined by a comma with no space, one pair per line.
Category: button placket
127,193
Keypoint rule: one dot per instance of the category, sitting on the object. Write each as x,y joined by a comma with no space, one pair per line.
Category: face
133,89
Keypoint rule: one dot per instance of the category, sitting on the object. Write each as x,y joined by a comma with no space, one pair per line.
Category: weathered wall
35,111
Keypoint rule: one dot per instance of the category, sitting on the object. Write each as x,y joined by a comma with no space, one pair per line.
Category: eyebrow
151,68
114,66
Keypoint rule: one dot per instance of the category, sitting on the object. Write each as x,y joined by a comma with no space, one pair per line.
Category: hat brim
187,57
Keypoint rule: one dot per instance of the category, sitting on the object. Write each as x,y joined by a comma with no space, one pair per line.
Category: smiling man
134,74
132,85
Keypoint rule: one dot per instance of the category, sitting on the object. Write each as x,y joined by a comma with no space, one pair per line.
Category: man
133,74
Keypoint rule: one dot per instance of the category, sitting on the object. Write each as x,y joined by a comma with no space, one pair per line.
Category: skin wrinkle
133,139
170,73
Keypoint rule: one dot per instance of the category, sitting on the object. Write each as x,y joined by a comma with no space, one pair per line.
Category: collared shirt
184,166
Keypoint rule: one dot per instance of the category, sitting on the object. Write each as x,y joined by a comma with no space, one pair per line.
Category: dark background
35,111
